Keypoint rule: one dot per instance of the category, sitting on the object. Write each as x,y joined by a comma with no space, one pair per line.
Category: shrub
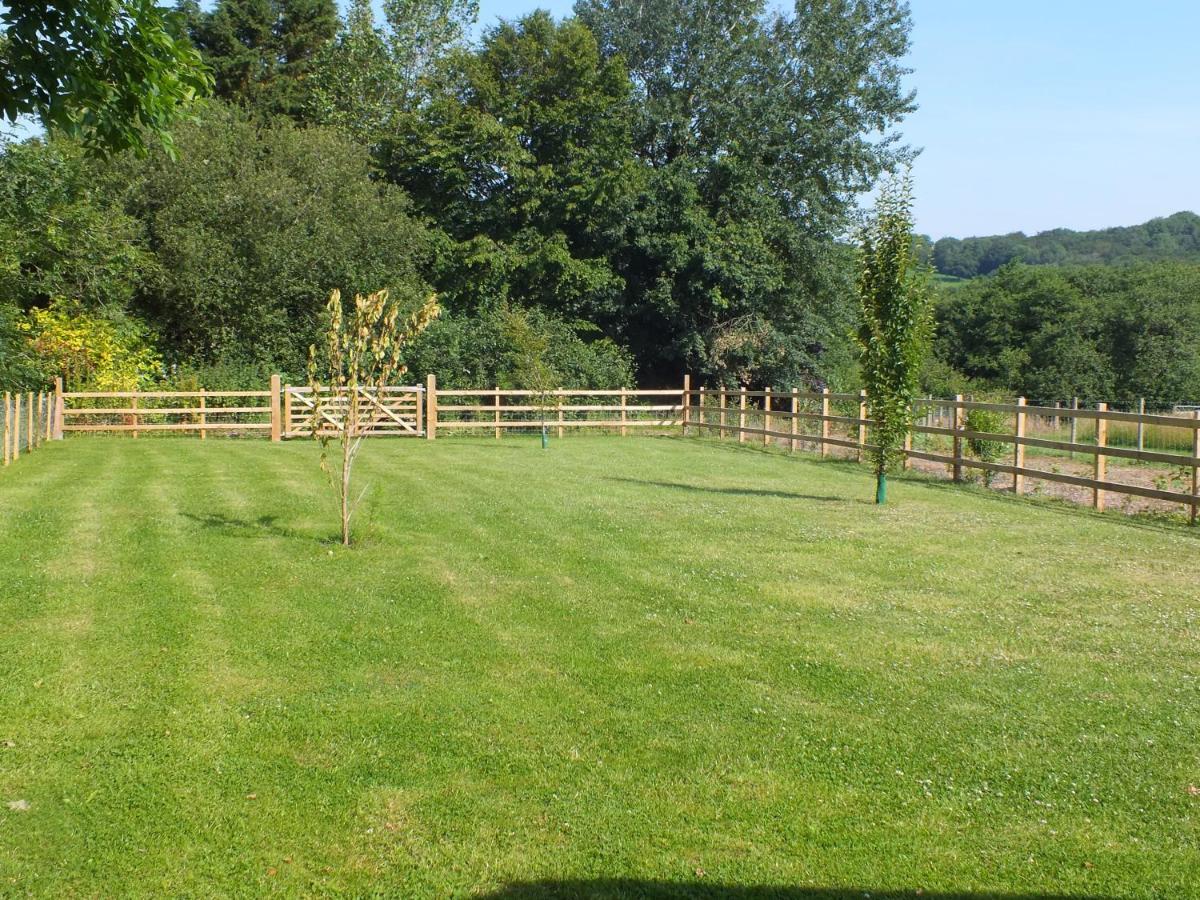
988,422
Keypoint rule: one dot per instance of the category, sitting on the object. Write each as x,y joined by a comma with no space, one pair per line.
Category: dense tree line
1174,237
659,188
1096,332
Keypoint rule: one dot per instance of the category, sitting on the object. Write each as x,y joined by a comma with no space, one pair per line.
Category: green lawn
644,667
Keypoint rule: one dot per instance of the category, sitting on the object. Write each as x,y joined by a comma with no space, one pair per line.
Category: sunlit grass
674,662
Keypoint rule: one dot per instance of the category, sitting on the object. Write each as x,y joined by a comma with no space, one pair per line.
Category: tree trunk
881,488
345,491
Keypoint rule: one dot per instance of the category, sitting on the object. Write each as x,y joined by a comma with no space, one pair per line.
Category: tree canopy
109,74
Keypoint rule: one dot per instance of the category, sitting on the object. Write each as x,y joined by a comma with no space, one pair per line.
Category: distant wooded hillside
1174,237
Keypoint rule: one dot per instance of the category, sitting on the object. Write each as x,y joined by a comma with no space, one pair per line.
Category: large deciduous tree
110,73
248,224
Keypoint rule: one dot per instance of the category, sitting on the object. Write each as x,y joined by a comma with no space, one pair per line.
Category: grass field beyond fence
646,667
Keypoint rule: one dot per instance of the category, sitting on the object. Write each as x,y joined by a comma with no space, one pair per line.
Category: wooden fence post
16,426
559,397
31,437
1074,425
700,412
1056,419
48,423
276,414
795,416
1019,448
721,419
1141,426
862,425
742,416
624,414
133,404
203,416
431,411
958,441
496,414
824,421
7,428
59,408
766,416
1195,468
687,402
1101,466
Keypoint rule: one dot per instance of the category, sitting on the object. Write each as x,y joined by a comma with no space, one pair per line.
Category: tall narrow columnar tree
362,354
895,326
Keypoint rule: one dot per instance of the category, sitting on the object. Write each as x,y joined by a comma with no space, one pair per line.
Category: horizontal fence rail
499,411
941,434
197,412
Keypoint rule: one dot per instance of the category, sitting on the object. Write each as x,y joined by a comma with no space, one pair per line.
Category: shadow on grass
622,888
263,525
734,491
1161,522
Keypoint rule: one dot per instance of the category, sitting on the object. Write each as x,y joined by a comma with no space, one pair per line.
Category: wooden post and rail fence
822,422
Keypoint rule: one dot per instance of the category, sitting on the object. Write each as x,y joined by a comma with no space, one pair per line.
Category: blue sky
1038,114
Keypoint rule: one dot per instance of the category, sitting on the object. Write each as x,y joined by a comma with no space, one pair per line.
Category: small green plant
985,421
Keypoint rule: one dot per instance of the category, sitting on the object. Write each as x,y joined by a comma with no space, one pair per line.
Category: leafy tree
1175,237
245,222
531,368
420,32
757,128
62,237
895,328
110,73
18,366
361,354
262,52
476,351
523,156
356,85
1096,332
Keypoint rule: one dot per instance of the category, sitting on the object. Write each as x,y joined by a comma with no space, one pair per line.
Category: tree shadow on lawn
263,525
736,491
622,888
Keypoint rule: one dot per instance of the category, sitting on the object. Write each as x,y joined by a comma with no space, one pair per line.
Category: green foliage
62,238
90,352
896,323
1174,237
262,51
1111,333
985,421
477,351
523,157
248,224
18,365
356,86
111,73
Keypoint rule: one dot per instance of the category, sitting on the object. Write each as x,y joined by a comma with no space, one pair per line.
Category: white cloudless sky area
1039,114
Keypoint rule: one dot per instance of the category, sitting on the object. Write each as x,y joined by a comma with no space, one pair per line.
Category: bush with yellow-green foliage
89,351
